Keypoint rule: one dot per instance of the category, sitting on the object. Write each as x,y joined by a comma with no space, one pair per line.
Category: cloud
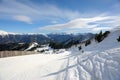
36,12
77,23
92,24
54,22
101,28
28,12
23,18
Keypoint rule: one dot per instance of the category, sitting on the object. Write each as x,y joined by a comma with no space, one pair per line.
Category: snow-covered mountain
97,61
7,39
23,38
4,33
67,37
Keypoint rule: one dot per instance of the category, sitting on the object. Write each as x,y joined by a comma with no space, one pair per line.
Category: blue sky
55,16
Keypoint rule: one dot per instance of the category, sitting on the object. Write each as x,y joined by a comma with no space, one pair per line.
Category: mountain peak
3,32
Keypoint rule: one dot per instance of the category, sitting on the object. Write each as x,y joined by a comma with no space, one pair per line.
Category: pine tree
99,37
79,47
105,34
87,42
56,45
118,39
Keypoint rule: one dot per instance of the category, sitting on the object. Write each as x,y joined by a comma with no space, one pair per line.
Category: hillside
99,61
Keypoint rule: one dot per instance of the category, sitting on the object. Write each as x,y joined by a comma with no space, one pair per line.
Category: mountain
6,37
24,38
3,32
96,61
66,37
11,41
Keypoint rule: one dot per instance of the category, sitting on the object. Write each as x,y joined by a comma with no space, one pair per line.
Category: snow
34,44
42,48
107,43
99,61
4,33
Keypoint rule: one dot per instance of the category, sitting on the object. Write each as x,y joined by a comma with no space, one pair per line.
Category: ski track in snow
79,66
92,67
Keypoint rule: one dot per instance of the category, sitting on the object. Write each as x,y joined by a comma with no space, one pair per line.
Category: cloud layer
23,19
13,8
92,24
60,19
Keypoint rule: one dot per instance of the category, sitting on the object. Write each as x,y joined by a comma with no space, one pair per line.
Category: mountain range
6,37
15,41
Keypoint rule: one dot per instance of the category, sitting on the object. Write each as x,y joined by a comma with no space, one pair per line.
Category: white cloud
29,13
36,12
54,22
77,23
23,18
101,28
99,23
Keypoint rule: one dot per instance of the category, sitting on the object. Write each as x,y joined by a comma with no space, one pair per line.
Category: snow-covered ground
99,61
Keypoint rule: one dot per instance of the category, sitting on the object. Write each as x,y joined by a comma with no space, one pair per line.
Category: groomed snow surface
99,61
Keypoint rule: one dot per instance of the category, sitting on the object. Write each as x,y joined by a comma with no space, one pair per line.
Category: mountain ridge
7,37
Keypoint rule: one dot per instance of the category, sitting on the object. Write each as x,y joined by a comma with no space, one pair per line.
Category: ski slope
99,61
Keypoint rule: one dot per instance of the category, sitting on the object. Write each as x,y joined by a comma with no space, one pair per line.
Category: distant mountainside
20,42
6,37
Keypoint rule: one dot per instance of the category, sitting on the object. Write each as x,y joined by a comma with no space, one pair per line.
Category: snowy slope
34,44
100,61
107,43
